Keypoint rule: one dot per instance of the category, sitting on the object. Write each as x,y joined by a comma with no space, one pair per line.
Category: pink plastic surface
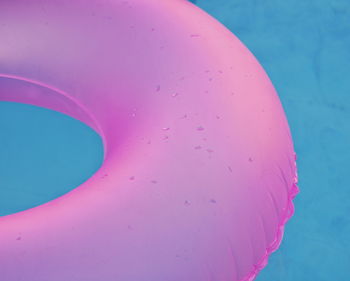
199,169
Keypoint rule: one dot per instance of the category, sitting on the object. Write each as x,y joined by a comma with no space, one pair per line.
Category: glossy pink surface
199,168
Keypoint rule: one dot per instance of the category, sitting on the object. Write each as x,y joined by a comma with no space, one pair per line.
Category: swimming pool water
43,155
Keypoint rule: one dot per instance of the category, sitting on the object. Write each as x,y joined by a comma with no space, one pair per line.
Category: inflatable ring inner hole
26,91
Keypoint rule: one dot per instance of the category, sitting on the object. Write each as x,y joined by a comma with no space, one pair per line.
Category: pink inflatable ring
199,168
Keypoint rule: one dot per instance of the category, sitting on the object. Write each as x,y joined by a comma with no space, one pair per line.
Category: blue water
43,155
304,45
